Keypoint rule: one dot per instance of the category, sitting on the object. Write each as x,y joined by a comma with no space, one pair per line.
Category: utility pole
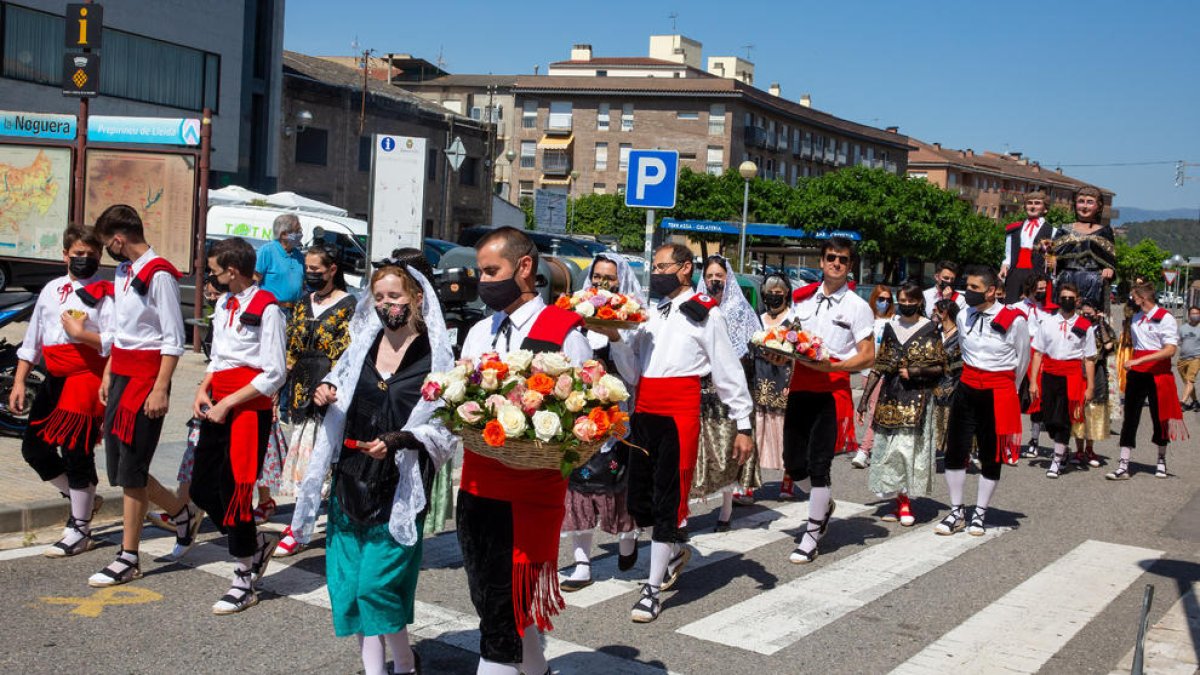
362,113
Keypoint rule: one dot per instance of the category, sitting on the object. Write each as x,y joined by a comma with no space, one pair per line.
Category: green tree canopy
1143,259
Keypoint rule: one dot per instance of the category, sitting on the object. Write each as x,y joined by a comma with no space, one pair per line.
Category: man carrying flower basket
508,519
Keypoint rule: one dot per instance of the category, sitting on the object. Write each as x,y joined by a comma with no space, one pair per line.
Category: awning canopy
556,142
556,181
754,229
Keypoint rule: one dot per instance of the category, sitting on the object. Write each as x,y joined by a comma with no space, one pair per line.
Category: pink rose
585,429
431,390
531,402
591,371
517,392
563,387
599,391
470,412
493,402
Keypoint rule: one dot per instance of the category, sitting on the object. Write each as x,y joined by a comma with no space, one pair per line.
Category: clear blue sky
1071,83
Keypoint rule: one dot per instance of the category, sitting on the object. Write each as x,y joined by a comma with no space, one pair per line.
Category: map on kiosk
35,198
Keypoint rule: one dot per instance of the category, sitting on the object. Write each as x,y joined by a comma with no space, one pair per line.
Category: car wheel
5,276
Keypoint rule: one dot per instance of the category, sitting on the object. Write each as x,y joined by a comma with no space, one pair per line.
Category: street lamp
511,156
748,170
570,212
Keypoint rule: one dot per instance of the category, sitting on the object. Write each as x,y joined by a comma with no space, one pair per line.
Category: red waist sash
678,398
838,383
1170,412
243,439
1072,371
141,367
78,409
1005,405
1025,259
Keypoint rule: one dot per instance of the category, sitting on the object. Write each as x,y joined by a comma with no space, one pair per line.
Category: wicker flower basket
593,322
518,453
794,356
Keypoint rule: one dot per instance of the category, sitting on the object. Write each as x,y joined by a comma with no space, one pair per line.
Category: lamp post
511,155
748,170
571,212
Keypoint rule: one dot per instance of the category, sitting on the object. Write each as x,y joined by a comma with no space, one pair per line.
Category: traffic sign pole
653,184
649,249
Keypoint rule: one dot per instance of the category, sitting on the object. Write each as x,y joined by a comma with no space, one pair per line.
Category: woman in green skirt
385,448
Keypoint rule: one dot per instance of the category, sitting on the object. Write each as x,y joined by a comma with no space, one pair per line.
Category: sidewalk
26,503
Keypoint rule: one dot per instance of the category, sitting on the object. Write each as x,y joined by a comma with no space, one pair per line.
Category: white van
348,236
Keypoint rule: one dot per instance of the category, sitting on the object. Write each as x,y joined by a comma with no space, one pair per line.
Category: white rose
757,336
555,363
615,387
489,381
519,360
512,419
576,401
546,425
460,371
585,309
631,306
456,391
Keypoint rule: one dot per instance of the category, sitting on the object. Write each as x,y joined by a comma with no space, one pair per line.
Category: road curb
34,515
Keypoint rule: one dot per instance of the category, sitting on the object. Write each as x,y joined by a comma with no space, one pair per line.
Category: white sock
1035,432
1162,453
805,485
533,662
955,480
818,503
1125,453
626,545
60,483
402,653
493,668
726,506
987,487
660,555
583,554
81,506
373,657
243,565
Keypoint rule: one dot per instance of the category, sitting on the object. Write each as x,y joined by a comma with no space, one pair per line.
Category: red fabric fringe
1072,370
243,440
1170,412
78,410
536,597
679,399
141,367
1006,406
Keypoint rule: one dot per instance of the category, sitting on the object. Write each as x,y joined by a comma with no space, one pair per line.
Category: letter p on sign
653,179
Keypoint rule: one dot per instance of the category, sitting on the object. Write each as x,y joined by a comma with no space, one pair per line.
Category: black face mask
83,266
974,298
942,284
314,281
119,257
662,285
773,301
716,287
909,310
1040,297
393,315
220,287
499,294
1068,304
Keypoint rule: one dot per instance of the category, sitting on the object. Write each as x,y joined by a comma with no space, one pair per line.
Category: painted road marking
748,533
776,619
1029,624
93,605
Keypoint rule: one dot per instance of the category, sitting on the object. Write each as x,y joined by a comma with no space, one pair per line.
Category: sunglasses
833,257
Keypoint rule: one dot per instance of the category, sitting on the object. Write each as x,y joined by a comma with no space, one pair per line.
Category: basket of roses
788,341
604,309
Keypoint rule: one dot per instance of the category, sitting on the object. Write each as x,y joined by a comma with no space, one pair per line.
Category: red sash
678,398
1170,412
1035,402
1005,405
78,409
141,281
243,439
1025,259
141,367
837,383
1072,371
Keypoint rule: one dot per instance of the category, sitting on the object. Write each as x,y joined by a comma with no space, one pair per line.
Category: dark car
434,249
554,244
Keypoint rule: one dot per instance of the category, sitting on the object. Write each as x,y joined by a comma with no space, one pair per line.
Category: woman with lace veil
596,490
384,447
716,471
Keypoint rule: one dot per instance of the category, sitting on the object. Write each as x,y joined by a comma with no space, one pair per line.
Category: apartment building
996,183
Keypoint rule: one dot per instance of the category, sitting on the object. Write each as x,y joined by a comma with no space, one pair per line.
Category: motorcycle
13,423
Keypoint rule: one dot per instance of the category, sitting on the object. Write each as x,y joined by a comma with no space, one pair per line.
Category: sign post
653,184
81,78
397,194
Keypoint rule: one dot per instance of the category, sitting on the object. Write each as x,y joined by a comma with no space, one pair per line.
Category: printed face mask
393,315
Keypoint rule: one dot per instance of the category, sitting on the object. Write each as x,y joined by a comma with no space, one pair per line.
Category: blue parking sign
653,177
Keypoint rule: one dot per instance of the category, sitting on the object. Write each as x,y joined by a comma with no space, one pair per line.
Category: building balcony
558,125
830,155
890,166
556,163
968,193
755,137
806,150
841,158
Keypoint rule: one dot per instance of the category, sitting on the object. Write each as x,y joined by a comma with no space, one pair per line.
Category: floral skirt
304,436
768,438
903,459
272,468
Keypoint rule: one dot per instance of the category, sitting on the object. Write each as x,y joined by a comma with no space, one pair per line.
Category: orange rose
500,367
618,420
493,434
634,316
563,302
541,383
606,313
601,419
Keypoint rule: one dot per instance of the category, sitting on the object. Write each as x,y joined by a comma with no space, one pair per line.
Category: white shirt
45,325
986,348
932,295
1029,228
1152,336
485,335
841,320
676,346
236,345
151,322
1054,338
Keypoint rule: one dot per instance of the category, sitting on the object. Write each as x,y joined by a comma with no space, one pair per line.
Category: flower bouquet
530,411
789,341
604,309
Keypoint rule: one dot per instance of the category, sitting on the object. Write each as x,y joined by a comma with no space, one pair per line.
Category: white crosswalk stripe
1026,627
776,619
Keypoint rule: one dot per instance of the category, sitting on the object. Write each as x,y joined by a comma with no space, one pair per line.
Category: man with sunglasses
943,287
820,410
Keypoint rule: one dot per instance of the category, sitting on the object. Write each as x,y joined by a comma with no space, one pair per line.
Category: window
599,188
431,164
476,112
364,153
453,105
528,154
601,73
627,117
714,160
468,171
806,148
623,163
602,116
133,67
602,157
687,156
560,116
748,120
682,115
716,120
529,115
796,141
525,189
312,145
620,188
951,178
784,136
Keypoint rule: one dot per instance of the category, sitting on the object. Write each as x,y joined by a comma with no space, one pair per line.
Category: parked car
1170,299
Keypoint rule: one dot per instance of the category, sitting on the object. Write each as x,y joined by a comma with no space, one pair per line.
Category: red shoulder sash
1005,318
1013,227
1158,315
252,316
141,282
1081,326
550,329
805,292
698,307
93,293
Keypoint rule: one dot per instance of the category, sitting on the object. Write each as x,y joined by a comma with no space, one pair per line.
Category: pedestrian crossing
1023,629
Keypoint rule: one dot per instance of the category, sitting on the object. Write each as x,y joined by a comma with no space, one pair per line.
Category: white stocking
533,662
373,658
956,479
660,555
492,668
726,506
987,487
402,653
627,544
81,505
60,483
583,554
818,503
